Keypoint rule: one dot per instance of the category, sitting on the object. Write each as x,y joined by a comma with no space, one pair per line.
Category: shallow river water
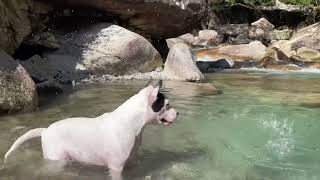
264,126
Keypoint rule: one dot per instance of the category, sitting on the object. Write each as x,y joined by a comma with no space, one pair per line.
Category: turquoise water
264,126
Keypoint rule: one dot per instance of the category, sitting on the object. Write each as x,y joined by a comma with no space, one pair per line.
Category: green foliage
302,2
271,2
251,2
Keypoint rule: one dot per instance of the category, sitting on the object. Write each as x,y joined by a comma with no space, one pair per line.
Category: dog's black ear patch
159,103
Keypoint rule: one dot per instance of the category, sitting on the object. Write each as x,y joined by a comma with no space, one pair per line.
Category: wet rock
180,65
95,50
49,87
264,24
270,63
157,17
60,68
19,19
243,52
17,90
212,66
44,39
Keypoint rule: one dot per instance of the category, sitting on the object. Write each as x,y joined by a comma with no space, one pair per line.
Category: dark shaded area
25,51
240,14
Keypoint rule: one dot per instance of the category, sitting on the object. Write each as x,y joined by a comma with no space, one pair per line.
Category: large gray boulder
18,19
17,90
96,50
180,65
161,18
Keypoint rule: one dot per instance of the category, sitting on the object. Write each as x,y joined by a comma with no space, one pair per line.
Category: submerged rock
95,50
180,65
17,90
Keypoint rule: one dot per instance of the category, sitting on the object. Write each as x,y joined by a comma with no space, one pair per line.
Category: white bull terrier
106,140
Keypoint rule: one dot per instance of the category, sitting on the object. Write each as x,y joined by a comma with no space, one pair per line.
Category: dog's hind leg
116,174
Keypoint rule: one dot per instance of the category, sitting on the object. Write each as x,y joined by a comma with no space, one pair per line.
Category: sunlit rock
180,65
243,52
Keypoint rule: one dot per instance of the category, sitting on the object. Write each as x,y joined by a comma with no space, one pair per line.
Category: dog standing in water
106,140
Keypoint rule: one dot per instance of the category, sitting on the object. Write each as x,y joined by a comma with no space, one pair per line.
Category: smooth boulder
180,65
96,50
17,89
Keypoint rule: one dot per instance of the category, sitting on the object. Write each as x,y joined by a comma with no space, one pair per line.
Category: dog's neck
133,112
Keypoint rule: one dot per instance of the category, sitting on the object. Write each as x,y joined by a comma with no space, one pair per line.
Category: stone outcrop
19,18
180,65
160,18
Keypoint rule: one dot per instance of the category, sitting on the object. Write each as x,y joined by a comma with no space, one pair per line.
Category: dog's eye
159,103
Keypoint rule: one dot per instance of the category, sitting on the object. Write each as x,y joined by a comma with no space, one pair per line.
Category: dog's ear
149,82
153,94
159,84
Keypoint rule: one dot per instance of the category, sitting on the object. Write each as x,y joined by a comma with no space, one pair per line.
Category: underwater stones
242,52
180,65
17,90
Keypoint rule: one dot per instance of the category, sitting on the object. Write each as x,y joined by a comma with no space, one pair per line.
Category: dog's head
159,109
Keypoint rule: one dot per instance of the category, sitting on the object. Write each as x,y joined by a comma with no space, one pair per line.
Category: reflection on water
263,126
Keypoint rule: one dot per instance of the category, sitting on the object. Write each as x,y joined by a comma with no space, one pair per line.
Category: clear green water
265,126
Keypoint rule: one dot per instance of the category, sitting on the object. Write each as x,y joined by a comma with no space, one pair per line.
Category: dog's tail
28,135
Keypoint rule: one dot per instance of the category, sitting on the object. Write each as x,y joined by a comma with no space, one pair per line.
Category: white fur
106,140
